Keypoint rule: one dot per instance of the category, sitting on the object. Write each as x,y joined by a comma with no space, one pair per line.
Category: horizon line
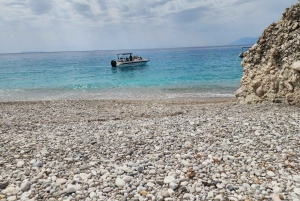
39,52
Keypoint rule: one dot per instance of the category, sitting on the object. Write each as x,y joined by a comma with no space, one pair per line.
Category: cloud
103,4
40,6
190,15
83,9
15,3
50,25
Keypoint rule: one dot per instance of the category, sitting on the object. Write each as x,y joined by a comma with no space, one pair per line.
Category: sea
184,73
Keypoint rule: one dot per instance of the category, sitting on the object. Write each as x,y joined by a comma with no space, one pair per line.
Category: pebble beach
149,150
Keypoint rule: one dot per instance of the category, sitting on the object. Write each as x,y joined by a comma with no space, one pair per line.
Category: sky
78,25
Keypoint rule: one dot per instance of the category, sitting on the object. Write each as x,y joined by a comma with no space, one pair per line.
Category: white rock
25,185
188,196
173,185
296,178
198,189
106,190
171,192
32,161
152,172
127,179
169,179
271,174
246,185
120,182
219,197
210,194
297,191
141,188
20,163
125,169
26,195
150,184
53,178
12,198
60,181
277,189
71,189
165,194
83,176
275,197
296,66
186,163
92,195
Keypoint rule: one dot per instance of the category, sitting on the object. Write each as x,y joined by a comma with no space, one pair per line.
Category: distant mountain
245,41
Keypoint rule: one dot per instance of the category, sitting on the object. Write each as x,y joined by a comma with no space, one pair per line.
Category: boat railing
242,53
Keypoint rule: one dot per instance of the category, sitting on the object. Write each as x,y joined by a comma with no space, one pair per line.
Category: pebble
60,181
71,189
169,179
173,185
230,188
106,190
297,191
120,182
11,198
27,172
38,164
3,184
92,195
271,174
165,193
140,169
160,156
25,185
20,164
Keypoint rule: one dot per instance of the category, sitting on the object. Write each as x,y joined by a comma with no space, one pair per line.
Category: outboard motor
113,63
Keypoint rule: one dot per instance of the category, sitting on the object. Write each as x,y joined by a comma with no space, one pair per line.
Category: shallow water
170,73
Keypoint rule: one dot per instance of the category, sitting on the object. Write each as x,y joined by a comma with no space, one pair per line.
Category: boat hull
132,63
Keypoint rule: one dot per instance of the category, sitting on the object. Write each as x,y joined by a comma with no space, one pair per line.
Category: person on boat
130,58
127,59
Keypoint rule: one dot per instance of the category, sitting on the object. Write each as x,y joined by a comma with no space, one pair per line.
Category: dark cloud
159,3
83,9
241,2
40,6
189,15
102,4
16,3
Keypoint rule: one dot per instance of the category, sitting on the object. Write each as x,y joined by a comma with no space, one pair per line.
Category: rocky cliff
272,65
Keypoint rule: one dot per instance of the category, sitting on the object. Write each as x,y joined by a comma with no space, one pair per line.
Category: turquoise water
171,73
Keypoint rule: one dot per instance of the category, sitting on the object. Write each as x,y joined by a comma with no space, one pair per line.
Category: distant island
245,41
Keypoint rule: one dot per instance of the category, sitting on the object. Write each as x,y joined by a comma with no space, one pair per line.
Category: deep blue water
176,72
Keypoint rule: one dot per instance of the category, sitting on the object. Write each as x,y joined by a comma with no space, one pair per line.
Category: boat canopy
124,54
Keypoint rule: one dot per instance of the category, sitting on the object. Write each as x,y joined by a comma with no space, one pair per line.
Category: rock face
272,65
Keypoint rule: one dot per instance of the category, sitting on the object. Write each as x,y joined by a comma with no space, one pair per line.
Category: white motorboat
126,59
241,55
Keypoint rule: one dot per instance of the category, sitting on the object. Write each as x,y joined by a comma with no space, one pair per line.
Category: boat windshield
123,57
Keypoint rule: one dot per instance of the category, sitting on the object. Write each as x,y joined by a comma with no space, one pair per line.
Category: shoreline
164,100
156,150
